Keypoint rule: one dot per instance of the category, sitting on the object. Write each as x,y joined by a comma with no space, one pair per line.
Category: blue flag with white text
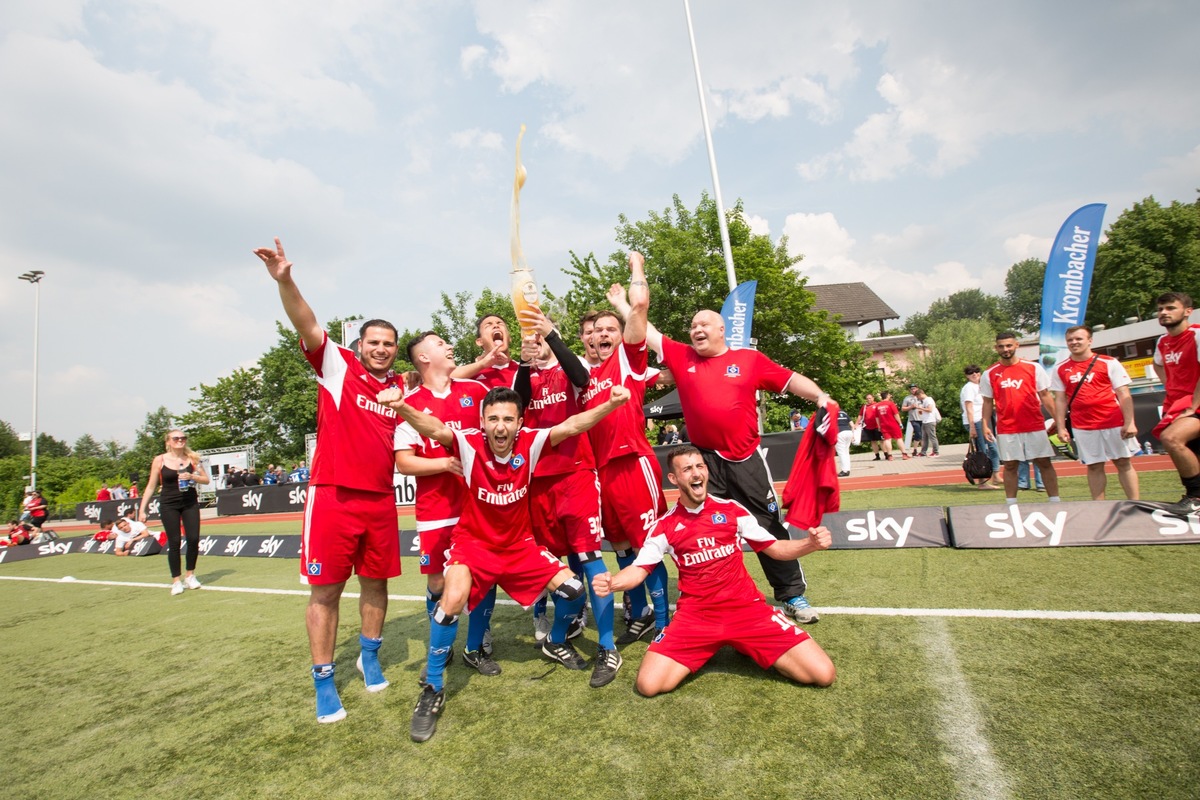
738,312
1068,279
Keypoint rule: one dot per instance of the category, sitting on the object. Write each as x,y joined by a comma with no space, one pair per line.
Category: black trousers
173,519
749,483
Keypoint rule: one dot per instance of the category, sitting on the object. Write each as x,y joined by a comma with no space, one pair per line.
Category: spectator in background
910,405
844,438
133,490
669,435
235,478
269,477
889,425
38,510
252,478
103,495
927,414
119,493
971,402
868,417
799,421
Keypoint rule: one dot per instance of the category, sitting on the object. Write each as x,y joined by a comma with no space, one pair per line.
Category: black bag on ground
977,466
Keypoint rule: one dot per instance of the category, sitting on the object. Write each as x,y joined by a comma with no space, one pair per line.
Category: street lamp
34,276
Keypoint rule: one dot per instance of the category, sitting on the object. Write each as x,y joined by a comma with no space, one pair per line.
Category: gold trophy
524,285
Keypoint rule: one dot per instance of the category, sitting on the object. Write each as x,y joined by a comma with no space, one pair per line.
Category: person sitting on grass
719,603
106,530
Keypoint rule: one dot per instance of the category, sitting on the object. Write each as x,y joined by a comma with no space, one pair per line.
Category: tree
227,413
951,345
1150,250
686,272
87,447
1023,294
967,304
10,443
49,446
456,320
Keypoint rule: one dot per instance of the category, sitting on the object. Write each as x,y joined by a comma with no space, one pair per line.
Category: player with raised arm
566,489
719,603
493,542
630,481
350,512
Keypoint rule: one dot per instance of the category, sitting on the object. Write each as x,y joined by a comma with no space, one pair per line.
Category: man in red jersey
492,543
350,512
1017,390
494,367
630,481
718,389
1095,389
1177,361
565,492
440,487
719,603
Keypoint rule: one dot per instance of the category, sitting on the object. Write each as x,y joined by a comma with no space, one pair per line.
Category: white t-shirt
970,394
124,538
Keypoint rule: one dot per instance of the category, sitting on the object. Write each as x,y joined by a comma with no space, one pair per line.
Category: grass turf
123,691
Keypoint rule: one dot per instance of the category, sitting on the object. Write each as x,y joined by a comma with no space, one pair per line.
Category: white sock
1054,499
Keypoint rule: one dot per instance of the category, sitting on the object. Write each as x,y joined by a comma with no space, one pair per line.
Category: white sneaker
191,582
541,628
176,588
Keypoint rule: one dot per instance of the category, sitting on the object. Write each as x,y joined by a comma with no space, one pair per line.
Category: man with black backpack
971,402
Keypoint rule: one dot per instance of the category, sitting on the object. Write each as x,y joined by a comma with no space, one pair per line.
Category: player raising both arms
719,603
492,543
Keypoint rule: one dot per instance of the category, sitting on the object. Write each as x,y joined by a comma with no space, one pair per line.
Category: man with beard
719,603
350,512
1177,361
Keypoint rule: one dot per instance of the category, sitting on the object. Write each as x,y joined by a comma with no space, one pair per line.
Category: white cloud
471,58
1024,245
475,139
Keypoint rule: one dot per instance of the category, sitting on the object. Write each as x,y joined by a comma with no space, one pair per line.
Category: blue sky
147,146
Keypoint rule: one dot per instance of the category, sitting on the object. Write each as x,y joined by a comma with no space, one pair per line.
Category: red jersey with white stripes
496,512
494,377
1181,359
1015,392
1095,406
354,431
552,399
440,497
706,545
622,432
718,397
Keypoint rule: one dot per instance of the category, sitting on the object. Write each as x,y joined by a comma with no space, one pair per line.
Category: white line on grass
979,774
996,613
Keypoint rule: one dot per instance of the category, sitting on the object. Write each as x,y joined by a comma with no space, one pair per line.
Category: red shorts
348,530
522,571
566,512
631,498
1171,414
434,545
758,630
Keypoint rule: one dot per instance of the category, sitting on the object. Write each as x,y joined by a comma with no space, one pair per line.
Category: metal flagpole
712,157
34,276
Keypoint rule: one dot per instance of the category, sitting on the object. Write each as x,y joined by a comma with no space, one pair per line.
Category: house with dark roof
855,304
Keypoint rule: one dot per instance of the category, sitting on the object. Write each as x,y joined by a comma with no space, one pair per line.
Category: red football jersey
1095,406
1015,390
354,431
440,497
496,512
505,376
1181,359
552,399
622,432
706,545
718,395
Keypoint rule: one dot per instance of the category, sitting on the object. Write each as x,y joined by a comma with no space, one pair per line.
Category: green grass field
123,691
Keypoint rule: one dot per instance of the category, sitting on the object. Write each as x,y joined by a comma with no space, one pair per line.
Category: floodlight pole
34,276
712,156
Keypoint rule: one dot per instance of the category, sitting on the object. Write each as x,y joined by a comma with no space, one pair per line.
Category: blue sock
328,701
539,607
637,595
479,620
372,672
602,607
575,563
565,612
657,581
441,641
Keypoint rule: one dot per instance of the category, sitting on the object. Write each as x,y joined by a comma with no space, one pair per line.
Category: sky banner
1069,279
738,312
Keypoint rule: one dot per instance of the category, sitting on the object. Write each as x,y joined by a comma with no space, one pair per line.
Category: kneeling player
492,543
719,603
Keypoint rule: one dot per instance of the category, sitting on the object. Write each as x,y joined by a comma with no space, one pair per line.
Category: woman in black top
178,470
